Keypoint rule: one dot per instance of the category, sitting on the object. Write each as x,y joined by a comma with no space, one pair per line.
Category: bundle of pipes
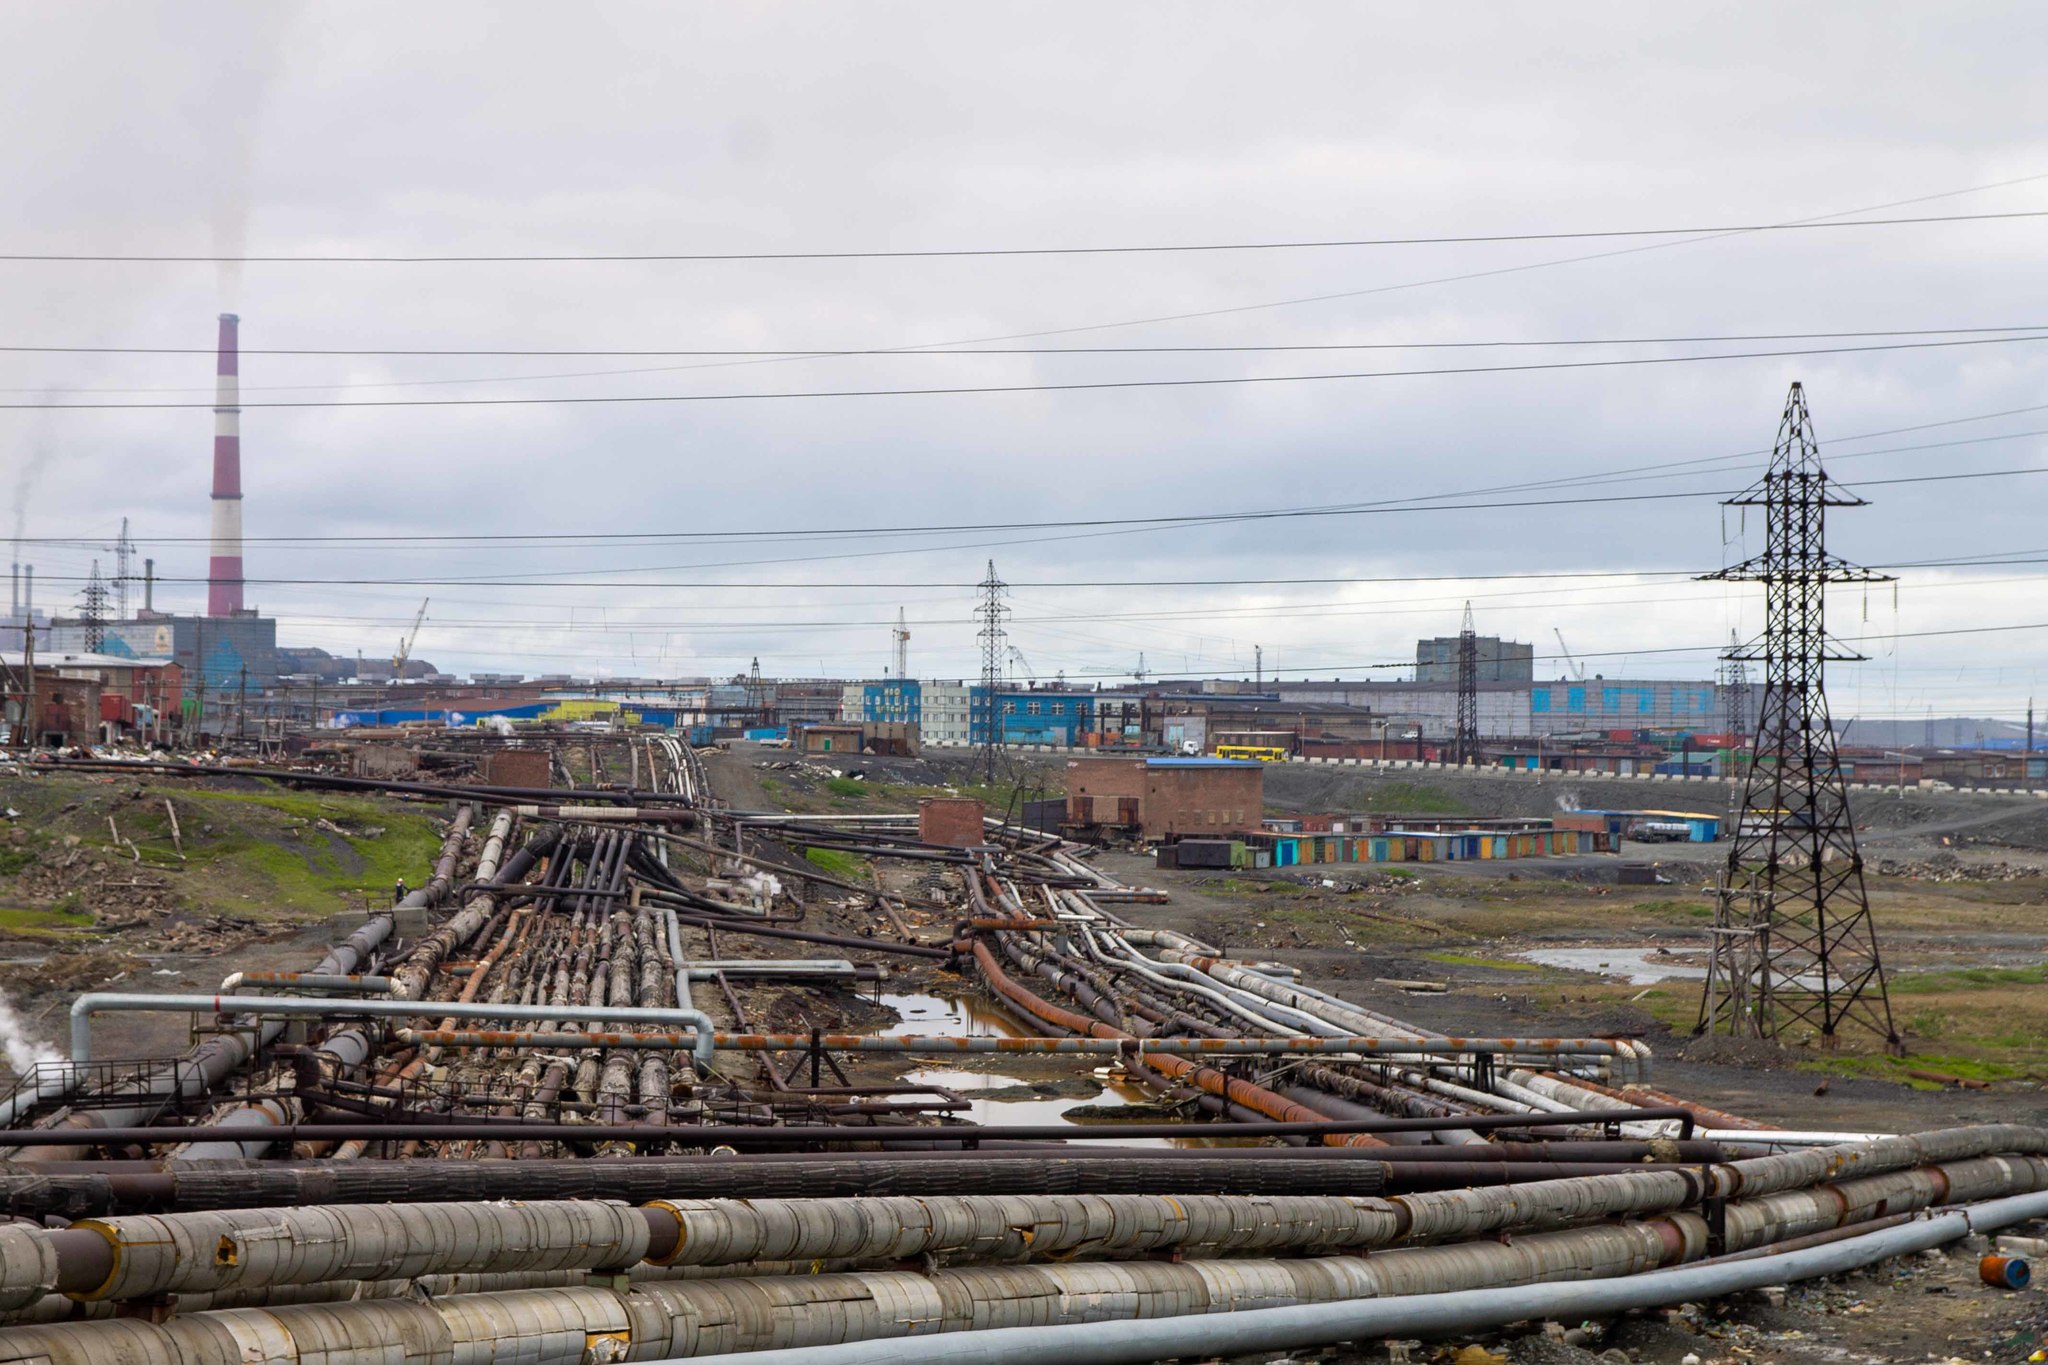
213,1061
156,1187
1189,989
998,1260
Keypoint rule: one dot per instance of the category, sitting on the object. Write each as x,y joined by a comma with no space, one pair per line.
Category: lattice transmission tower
986,710
1794,944
92,611
1467,742
1735,693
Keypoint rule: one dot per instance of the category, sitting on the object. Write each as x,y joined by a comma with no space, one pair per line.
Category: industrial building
938,708
1157,798
1498,660
227,651
90,698
1564,707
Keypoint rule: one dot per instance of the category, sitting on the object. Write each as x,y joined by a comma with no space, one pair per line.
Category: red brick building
1153,798
953,821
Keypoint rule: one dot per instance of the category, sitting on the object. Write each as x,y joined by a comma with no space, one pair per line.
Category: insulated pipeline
1097,1301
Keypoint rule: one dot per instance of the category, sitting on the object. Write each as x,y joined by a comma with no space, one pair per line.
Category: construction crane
901,636
1578,669
405,642
1017,658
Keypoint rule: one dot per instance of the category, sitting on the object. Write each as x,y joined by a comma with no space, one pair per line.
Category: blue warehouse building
1057,716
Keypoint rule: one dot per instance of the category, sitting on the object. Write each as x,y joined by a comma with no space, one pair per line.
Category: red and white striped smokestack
224,569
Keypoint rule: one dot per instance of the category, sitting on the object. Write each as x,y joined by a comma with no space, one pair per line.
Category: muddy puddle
1636,966
1018,1095
933,1016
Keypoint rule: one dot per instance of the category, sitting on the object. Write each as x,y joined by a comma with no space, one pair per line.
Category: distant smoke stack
224,569
14,592
28,592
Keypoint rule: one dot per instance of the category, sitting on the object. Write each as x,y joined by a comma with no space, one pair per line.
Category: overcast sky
446,129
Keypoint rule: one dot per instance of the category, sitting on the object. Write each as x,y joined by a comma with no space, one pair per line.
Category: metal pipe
334,783
1248,1331
312,981
705,1135
941,1045
666,1317
100,1002
677,961
773,966
217,1058
758,930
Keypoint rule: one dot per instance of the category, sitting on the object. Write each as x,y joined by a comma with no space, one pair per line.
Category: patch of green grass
1689,909
843,865
1968,978
44,921
1499,964
847,786
14,860
1412,798
1885,1068
1244,886
302,866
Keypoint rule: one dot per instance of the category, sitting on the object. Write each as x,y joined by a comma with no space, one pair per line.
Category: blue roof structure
1203,763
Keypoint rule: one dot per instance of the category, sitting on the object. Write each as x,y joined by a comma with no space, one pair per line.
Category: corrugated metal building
1436,661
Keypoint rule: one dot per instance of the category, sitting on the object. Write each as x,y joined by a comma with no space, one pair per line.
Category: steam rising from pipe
22,1050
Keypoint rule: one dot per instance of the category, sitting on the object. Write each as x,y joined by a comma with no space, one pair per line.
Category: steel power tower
1735,692
1794,944
92,612
991,613
1468,691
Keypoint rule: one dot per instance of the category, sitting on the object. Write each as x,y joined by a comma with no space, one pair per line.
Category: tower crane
1578,669
1017,658
405,642
900,637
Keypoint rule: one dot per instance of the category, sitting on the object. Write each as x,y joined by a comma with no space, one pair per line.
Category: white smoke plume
23,1051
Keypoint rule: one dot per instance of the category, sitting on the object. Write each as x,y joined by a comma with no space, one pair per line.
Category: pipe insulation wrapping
150,1255
1017,1227
665,1320
1134,1342
193,1252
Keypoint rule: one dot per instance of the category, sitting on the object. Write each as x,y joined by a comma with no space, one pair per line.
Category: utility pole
29,722
124,554
199,667
991,613
242,704
1794,943
1467,741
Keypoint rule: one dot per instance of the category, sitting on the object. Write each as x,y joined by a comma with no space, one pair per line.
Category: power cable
986,389
439,540
826,351
525,581
941,253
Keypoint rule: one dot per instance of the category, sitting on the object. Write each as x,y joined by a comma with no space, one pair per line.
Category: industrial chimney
224,569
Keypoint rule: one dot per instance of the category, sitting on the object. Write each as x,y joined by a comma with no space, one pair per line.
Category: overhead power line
1084,386
953,350
1154,248
489,539
535,581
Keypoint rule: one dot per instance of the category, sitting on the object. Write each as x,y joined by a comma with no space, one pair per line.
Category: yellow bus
1264,753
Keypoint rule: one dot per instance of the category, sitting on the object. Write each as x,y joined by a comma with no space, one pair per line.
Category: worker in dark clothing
398,892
